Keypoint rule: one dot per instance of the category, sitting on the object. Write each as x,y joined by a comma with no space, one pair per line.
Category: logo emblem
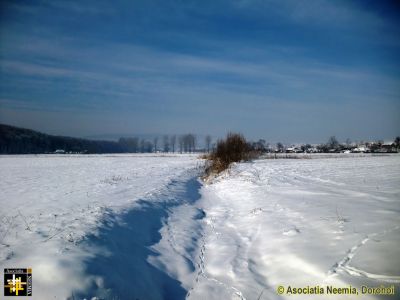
18,282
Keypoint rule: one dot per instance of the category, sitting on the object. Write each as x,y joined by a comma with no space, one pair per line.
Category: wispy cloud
81,7
280,61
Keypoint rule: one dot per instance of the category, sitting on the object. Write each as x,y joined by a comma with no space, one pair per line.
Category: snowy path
120,269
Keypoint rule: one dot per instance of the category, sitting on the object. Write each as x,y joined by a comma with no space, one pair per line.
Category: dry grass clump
204,156
234,148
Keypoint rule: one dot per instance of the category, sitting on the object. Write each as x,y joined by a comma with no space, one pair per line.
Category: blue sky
291,71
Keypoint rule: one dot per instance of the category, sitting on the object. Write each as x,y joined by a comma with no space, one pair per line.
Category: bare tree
148,147
208,142
155,143
142,145
188,142
181,143
194,142
260,145
173,142
333,143
191,142
166,143
279,146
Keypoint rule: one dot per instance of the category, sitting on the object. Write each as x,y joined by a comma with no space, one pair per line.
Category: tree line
185,143
15,140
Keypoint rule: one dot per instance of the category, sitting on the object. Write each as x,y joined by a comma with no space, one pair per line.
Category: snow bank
51,203
300,223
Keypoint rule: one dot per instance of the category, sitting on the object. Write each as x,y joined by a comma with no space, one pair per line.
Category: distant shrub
234,148
204,156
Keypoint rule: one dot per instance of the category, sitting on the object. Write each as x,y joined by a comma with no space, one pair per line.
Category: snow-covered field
300,223
50,203
134,226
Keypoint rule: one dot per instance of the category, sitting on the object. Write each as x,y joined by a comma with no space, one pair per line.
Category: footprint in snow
291,231
256,211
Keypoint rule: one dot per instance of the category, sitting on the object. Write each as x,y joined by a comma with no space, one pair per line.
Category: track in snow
121,270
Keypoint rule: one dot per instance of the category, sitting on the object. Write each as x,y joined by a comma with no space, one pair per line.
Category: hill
15,140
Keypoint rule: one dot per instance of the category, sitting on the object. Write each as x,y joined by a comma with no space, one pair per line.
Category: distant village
332,146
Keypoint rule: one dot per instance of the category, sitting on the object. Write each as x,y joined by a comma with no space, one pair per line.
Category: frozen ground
144,227
300,223
50,206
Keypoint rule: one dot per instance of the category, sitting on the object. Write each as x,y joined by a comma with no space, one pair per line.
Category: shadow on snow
124,269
